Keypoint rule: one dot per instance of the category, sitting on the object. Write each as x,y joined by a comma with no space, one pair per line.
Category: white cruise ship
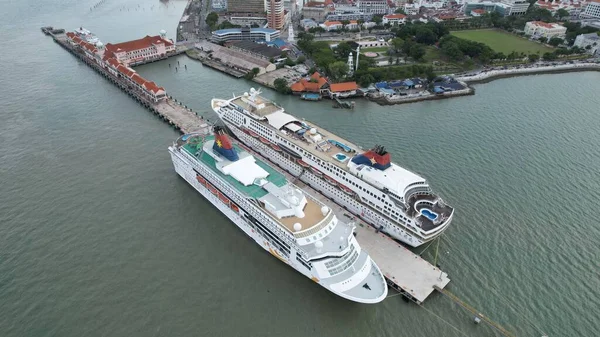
289,223
397,201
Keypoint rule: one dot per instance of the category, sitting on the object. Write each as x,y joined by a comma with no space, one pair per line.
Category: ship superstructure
285,220
367,183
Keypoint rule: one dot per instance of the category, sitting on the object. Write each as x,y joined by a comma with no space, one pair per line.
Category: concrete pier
168,109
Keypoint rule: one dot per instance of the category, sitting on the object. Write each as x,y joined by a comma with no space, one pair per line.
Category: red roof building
142,50
345,89
314,84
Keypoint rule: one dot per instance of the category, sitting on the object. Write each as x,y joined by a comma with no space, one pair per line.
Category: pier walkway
175,113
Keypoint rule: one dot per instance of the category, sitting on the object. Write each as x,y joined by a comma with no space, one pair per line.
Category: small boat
234,207
276,148
317,172
201,179
346,189
212,189
264,140
252,133
303,163
330,180
311,97
223,198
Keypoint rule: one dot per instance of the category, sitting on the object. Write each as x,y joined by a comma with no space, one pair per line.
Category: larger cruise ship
285,220
397,201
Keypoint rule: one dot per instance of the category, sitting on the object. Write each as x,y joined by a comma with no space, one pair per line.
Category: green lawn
501,41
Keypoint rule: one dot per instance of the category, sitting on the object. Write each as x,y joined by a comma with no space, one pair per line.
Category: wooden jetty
170,110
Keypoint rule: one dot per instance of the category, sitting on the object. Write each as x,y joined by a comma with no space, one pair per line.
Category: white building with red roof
117,59
539,29
394,19
146,49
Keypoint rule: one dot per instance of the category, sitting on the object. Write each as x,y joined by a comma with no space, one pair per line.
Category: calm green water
99,236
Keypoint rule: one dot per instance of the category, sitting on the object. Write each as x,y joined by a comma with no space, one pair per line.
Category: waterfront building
146,49
341,90
394,19
315,84
244,33
539,29
275,14
591,40
106,59
592,11
260,50
373,7
574,8
236,58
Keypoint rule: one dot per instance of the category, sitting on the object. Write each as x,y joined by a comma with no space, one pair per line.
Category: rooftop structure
246,6
141,50
315,83
239,34
592,40
235,58
592,11
539,29
275,14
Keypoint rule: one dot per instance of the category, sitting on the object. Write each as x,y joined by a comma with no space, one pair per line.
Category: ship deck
253,191
312,216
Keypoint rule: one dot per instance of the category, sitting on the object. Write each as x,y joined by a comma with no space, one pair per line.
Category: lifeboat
264,140
212,189
201,179
346,189
252,133
276,148
317,172
223,198
234,207
330,180
303,163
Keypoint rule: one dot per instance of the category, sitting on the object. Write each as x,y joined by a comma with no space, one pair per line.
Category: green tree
377,19
366,80
396,44
533,57
562,13
400,11
211,19
549,56
338,70
301,59
281,86
543,39
425,35
452,50
417,51
342,50
289,62
555,41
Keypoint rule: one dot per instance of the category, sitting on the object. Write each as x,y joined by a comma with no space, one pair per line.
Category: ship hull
200,179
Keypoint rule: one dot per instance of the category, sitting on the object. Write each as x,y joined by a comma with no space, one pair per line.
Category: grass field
502,42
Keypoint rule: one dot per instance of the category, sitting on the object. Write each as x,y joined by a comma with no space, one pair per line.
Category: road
194,28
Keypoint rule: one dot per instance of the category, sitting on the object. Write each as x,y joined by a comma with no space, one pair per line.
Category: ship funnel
223,145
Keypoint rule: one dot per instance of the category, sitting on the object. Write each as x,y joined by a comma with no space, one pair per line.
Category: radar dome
246,94
163,32
313,131
297,227
319,244
324,210
100,45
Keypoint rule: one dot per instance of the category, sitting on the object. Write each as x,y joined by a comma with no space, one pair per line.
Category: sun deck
312,216
253,191
268,108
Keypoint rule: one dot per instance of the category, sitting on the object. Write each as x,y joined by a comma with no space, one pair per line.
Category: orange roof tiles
478,11
113,62
125,71
151,86
331,23
297,87
132,45
394,16
542,24
346,86
310,85
138,79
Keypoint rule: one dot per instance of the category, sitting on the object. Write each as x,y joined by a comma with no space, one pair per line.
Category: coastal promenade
179,116
488,75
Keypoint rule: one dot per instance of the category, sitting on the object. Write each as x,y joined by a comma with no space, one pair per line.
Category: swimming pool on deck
429,214
340,157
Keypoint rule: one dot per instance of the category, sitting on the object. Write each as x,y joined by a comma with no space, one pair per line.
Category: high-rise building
275,14
246,6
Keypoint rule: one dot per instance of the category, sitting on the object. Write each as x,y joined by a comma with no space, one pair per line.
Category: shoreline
491,75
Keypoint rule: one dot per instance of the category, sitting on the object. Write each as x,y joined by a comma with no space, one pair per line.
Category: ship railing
315,229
